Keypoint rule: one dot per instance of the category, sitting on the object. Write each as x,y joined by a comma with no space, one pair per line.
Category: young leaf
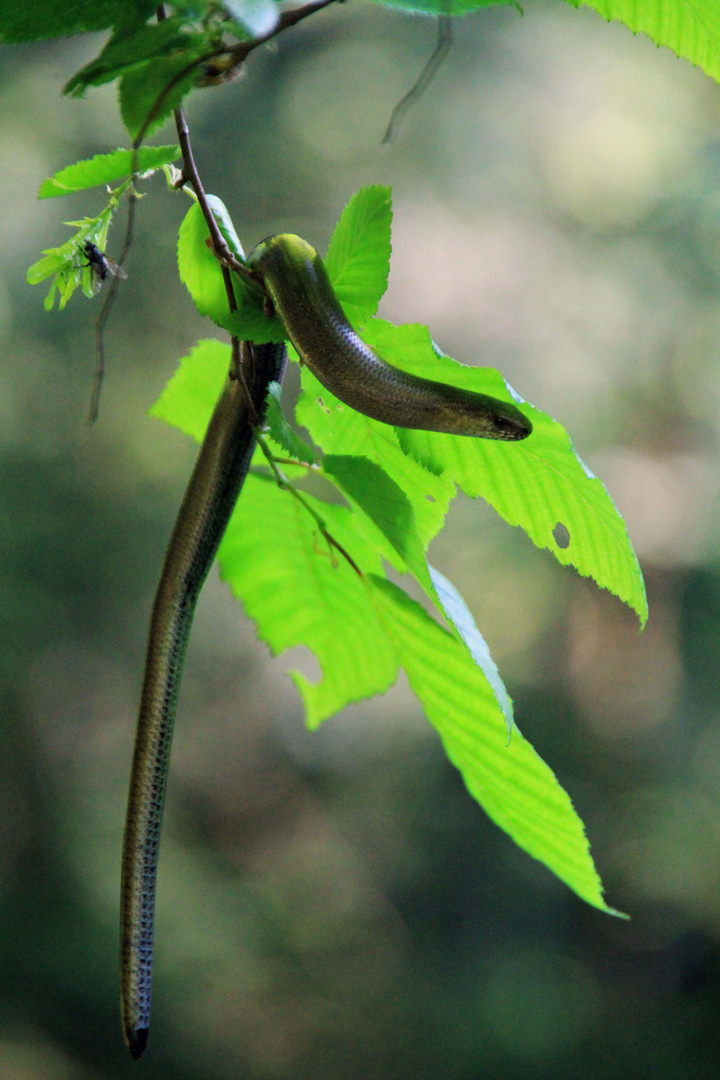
68,261
200,272
509,780
691,30
358,259
105,168
537,483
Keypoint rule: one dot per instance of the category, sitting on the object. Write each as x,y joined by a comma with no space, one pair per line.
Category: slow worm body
211,495
298,288
297,282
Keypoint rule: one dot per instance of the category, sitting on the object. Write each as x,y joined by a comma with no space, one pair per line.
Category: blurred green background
334,905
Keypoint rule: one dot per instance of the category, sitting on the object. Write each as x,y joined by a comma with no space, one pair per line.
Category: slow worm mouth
512,429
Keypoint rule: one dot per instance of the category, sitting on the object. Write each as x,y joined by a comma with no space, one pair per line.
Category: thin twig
191,175
283,483
424,79
296,461
99,374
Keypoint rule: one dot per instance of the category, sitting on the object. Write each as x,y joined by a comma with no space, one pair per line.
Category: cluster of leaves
67,264
202,41
396,486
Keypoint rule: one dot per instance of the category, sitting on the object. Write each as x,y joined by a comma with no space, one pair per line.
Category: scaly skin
211,495
298,285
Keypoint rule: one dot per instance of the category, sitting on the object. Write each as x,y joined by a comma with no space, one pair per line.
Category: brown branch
107,303
219,244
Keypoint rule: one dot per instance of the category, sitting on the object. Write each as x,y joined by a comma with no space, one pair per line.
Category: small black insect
100,263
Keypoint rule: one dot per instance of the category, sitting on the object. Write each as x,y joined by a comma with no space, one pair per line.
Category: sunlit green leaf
281,431
537,483
509,780
201,274
338,429
368,487
299,592
189,397
105,168
358,259
691,28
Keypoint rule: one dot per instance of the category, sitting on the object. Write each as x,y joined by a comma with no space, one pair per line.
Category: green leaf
125,51
200,272
509,780
358,259
459,614
337,428
189,397
691,28
379,499
538,483
150,91
281,431
258,17
68,263
104,168
31,20
299,593
368,487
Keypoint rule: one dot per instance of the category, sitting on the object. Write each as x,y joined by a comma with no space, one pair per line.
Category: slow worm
212,492
300,292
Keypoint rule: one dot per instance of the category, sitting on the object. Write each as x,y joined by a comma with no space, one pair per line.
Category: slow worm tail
212,492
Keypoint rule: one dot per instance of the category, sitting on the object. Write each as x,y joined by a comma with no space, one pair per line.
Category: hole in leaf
561,536
430,498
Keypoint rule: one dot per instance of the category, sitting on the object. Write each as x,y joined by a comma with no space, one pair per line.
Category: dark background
334,905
